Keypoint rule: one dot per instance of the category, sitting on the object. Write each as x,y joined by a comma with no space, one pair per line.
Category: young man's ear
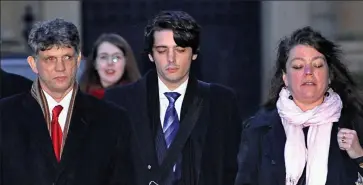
79,59
33,64
150,57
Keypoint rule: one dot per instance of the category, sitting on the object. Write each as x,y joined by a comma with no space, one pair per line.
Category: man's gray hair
58,32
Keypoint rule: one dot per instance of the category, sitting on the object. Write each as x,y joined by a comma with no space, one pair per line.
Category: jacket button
149,167
273,162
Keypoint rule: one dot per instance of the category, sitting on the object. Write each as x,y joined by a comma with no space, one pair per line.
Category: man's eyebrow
160,46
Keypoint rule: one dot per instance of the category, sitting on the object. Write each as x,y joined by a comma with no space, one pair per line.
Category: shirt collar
163,88
64,102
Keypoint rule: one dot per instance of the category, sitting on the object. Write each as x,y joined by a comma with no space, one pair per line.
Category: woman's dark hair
90,77
341,80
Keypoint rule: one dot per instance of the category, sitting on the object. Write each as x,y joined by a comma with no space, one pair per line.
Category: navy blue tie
171,126
171,120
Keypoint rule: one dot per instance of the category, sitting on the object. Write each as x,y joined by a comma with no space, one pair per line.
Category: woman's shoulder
259,124
262,118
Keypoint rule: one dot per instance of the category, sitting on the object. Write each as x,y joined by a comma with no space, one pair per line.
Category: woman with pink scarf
310,130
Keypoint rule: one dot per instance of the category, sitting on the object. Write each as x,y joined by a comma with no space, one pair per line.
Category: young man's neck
174,85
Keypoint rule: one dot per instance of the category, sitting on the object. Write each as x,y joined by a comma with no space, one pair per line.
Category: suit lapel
189,96
143,122
275,140
37,126
197,89
79,123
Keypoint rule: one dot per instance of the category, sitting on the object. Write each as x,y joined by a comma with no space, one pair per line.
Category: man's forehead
164,37
58,50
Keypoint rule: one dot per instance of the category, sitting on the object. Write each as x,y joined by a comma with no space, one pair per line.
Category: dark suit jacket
11,84
261,156
209,156
95,153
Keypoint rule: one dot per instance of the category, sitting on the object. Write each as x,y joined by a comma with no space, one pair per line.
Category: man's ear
150,57
79,59
33,64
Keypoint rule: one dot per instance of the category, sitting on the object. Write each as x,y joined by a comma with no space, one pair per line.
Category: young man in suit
169,103
11,84
54,134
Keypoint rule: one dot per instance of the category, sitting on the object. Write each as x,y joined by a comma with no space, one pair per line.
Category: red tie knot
56,111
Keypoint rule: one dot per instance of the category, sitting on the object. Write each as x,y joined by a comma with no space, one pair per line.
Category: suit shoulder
222,89
218,90
20,79
13,103
119,89
11,84
104,105
13,100
264,118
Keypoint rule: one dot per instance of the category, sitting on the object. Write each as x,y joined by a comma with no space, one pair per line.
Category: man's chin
62,89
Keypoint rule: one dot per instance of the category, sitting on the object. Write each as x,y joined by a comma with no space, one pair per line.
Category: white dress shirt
164,102
65,102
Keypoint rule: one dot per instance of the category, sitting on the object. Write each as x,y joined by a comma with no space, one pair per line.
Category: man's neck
173,85
57,96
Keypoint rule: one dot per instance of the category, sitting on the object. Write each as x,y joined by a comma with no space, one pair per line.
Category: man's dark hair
186,30
58,32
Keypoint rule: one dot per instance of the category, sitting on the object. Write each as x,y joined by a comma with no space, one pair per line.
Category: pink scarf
320,121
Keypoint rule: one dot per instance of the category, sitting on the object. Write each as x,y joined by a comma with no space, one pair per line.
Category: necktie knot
172,96
56,111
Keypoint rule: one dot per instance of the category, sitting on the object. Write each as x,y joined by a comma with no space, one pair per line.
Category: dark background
230,41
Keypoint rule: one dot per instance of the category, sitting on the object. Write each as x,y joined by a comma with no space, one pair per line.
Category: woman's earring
290,97
326,94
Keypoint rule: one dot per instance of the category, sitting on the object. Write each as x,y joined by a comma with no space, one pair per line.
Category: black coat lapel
153,103
143,122
198,136
191,91
275,140
37,126
79,123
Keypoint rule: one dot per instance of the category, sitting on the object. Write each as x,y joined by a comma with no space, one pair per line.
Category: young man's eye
180,50
161,50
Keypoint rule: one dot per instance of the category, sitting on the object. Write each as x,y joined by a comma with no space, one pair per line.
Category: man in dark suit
11,84
54,134
169,104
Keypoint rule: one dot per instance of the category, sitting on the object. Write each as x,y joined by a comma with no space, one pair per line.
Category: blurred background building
239,38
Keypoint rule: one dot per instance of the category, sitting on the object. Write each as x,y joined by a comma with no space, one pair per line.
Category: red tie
56,131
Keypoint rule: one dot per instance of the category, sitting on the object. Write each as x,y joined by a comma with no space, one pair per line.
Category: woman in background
110,63
310,130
